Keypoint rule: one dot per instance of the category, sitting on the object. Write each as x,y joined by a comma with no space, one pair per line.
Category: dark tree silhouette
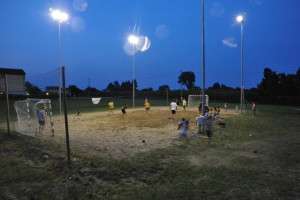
75,91
216,86
187,79
163,87
32,89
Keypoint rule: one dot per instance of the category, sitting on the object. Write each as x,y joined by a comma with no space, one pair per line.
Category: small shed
15,81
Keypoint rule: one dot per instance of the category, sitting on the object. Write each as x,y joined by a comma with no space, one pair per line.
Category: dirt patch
102,133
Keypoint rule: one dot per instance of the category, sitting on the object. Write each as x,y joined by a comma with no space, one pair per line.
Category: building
15,81
55,90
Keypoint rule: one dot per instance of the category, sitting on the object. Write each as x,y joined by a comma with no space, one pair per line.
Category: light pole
60,17
134,40
241,20
203,61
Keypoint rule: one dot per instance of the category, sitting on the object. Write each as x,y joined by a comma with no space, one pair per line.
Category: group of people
111,107
204,123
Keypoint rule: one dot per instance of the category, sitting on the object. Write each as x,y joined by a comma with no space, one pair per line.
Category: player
42,120
253,106
183,103
208,126
200,122
173,107
147,106
184,126
111,107
225,107
124,110
78,113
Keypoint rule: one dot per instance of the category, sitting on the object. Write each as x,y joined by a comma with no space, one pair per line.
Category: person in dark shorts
173,107
208,126
124,110
42,114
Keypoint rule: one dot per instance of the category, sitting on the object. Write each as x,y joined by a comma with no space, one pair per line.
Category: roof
12,71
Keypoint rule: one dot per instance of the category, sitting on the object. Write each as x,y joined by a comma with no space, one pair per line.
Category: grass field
227,169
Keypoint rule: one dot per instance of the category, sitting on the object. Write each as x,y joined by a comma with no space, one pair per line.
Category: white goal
195,100
27,114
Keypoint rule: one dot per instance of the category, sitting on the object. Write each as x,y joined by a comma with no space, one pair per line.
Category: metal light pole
134,40
60,17
241,20
203,62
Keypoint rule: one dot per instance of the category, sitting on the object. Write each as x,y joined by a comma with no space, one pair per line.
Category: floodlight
59,16
133,39
240,18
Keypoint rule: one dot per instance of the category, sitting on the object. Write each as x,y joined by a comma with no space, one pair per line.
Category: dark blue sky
93,40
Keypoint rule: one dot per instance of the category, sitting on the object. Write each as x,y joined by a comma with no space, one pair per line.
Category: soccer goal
27,115
195,100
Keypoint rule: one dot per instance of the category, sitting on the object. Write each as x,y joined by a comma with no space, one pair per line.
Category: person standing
42,119
111,107
200,122
173,107
253,106
183,103
225,107
147,106
208,127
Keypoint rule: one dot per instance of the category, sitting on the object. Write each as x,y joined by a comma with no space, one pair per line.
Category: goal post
27,115
195,100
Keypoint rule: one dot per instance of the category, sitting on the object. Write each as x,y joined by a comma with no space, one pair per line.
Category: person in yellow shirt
111,107
183,103
147,106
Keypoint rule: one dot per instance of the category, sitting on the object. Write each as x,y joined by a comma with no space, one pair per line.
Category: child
200,122
184,126
124,110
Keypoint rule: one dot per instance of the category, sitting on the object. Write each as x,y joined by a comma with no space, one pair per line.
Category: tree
187,79
148,89
75,91
163,87
92,91
126,86
269,84
32,89
110,87
216,86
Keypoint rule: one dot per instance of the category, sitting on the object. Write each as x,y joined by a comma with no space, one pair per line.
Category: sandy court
102,133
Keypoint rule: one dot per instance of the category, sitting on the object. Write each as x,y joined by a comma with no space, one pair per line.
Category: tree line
277,88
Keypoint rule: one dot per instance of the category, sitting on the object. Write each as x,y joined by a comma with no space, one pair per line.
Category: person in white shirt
173,107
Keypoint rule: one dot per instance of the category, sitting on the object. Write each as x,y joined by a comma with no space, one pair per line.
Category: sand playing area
102,133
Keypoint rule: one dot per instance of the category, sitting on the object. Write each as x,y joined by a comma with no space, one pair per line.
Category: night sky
92,42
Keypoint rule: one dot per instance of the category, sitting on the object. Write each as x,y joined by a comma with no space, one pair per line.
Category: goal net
28,113
195,100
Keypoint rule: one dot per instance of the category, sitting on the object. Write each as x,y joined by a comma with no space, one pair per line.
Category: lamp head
59,16
132,39
240,18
